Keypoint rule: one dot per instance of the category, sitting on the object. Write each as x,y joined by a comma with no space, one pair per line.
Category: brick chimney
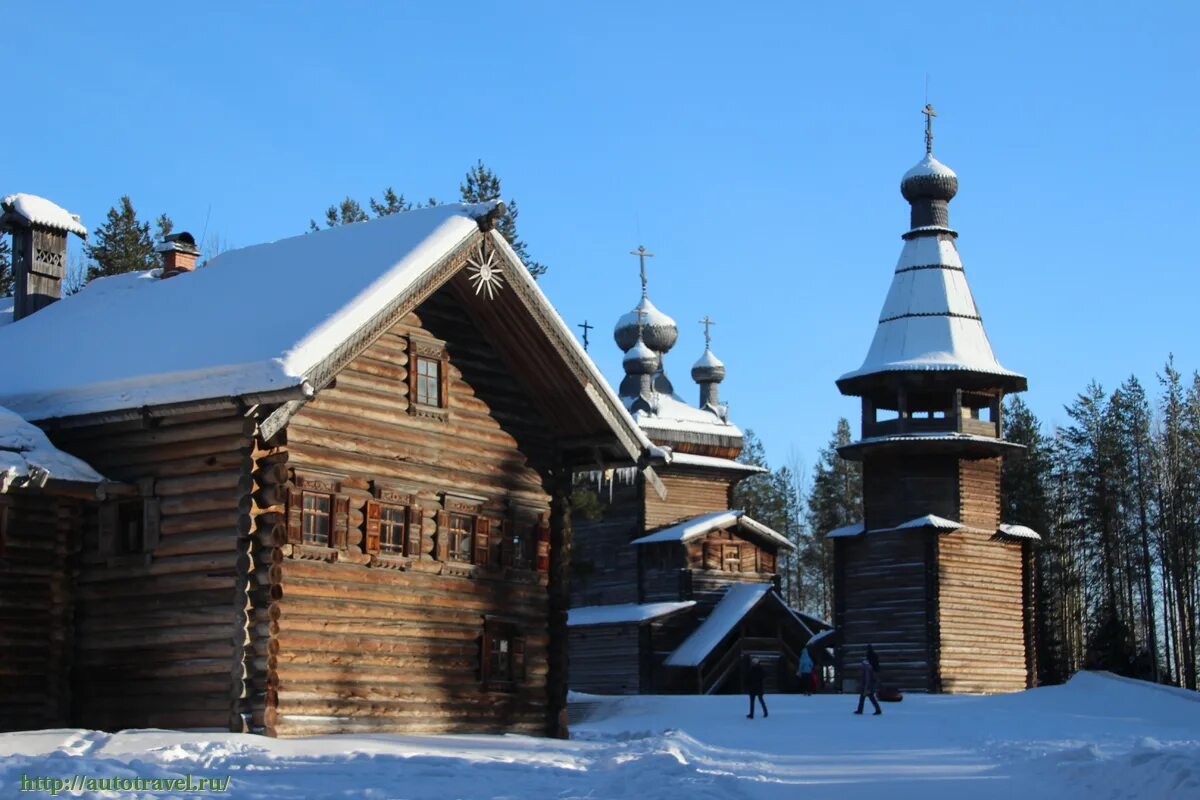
178,253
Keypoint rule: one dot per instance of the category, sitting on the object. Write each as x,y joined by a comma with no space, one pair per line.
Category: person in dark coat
869,684
755,675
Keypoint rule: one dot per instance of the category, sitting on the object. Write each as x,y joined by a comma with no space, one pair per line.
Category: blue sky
756,148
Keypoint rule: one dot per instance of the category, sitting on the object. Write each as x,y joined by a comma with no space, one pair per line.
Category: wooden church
315,486
930,577
674,591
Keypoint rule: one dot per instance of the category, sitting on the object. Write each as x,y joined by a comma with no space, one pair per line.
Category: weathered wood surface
899,488
605,659
153,643
687,497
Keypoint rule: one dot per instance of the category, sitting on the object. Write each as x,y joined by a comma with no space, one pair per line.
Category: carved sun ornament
484,272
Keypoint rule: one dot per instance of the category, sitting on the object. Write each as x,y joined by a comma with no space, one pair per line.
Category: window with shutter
413,541
295,516
443,536
374,522
316,522
340,522
502,656
483,540
461,536
393,524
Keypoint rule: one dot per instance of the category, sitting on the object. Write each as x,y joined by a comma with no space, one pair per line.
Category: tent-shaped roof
28,458
705,524
273,322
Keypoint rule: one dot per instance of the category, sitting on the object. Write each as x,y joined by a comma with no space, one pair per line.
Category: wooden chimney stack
39,231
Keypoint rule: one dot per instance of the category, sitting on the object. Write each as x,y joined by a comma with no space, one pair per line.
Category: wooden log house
931,577
674,594
347,459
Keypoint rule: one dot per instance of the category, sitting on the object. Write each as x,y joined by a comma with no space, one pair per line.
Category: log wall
899,488
39,540
604,565
350,642
157,637
606,659
687,497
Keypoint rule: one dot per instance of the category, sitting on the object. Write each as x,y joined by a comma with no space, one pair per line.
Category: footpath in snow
1096,737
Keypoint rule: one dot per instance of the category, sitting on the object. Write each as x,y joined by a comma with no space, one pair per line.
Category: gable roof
705,524
274,322
738,601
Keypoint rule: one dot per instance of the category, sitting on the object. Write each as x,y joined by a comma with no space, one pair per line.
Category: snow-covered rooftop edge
624,613
28,458
932,521
739,599
40,211
707,523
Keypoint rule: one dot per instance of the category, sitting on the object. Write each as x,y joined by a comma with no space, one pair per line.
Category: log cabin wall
897,489
159,620
662,569
981,616
605,659
39,541
687,496
884,599
604,565
394,642
723,558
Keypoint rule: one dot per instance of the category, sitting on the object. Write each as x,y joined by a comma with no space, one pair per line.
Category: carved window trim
303,515
429,351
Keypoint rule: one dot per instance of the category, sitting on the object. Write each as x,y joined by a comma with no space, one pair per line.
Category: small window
393,529
315,519
131,531
429,381
731,558
462,532
502,662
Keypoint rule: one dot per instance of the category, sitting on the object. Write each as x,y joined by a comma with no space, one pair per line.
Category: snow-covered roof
708,360
739,599
624,613
40,211
820,636
928,521
671,413
929,320
942,436
705,524
28,457
253,320
853,529
696,460
1019,532
929,167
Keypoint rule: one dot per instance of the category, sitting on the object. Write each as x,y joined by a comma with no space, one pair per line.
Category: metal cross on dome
586,327
707,323
642,253
929,115
484,272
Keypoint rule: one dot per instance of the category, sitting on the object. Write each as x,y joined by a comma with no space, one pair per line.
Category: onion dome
640,359
930,179
659,331
708,368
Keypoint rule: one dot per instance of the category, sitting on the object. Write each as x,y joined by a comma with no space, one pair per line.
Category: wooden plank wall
40,542
884,601
603,564
687,497
352,647
605,659
158,643
981,615
897,489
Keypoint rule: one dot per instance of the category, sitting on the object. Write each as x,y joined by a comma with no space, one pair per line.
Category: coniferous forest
1115,495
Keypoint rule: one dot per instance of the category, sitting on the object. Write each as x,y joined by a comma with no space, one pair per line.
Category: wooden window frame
428,350
727,559
387,496
315,515
502,656
460,542
393,518
128,528
316,485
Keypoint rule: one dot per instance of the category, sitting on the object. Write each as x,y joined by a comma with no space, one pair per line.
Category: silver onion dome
930,179
708,368
659,331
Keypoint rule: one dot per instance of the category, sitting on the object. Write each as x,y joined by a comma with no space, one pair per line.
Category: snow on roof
27,456
651,317
819,636
945,436
695,460
929,320
854,529
739,599
1019,531
623,613
673,414
707,523
40,211
708,360
929,166
929,521
253,320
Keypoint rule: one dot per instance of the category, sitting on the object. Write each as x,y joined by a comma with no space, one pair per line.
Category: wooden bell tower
931,578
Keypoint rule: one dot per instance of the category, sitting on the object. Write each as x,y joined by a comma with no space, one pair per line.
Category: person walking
755,676
869,684
808,683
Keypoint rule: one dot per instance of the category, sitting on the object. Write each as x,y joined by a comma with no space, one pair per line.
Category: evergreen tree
122,244
834,500
481,185
6,276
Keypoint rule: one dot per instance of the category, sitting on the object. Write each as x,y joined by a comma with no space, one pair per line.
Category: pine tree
122,244
481,185
834,500
6,276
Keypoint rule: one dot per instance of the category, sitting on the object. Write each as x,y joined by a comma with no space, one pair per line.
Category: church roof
671,414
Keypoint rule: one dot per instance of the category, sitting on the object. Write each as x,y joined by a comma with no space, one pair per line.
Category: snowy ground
1096,737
